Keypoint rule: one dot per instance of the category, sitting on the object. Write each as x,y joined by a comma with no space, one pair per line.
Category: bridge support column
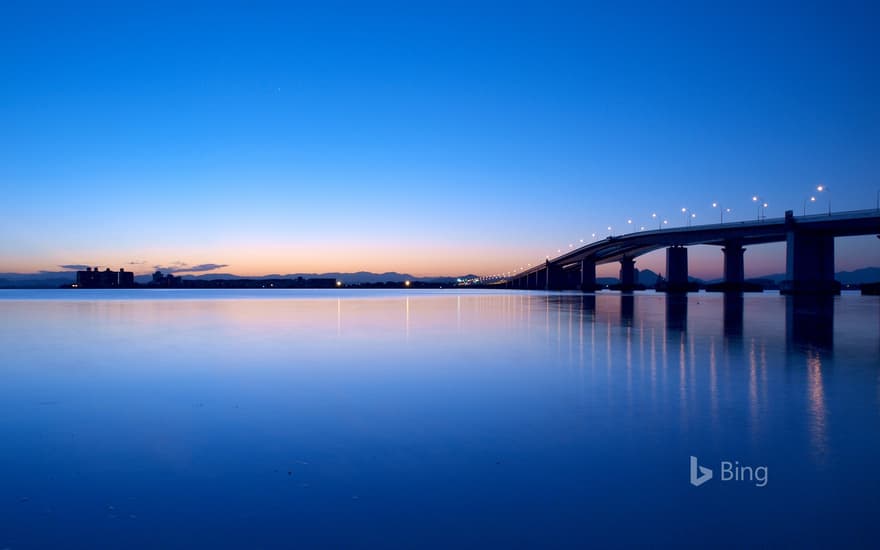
809,265
677,269
573,278
627,273
734,267
541,280
555,277
588,275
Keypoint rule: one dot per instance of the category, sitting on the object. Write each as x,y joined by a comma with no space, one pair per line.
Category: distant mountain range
55,279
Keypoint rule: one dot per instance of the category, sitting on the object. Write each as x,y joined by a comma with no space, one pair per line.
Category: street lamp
761,206
821,189
811,199
721,210
684,213
654,216
693,216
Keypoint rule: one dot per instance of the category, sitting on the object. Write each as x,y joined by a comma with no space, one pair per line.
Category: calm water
372,418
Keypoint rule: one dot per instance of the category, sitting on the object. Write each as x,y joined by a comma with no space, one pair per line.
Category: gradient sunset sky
434,138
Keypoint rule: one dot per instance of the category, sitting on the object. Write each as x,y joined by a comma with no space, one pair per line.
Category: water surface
408,419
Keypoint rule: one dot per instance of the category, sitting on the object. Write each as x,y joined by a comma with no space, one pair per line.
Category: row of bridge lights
687,216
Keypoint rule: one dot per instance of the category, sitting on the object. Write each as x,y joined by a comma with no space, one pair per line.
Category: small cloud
181,267
206,267
137,262
75,267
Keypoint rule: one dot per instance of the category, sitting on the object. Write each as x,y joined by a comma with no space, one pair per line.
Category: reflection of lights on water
818,411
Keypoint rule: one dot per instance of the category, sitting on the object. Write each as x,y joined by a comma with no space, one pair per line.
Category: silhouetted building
165,281
94,278
126,279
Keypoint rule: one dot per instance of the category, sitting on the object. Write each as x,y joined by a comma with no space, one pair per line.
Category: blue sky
436,138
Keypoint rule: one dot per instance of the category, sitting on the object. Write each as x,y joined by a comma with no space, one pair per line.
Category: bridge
809,253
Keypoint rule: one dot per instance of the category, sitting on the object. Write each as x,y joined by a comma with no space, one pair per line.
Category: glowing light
406,283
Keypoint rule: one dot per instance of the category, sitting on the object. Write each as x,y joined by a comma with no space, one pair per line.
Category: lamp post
721,210
823,189
693,217
761,206
654,215
811,199
684,214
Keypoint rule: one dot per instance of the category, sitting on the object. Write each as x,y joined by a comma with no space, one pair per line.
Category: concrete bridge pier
555,277
573,278
677,269
588,275
809,263
627,273
541,279
734,267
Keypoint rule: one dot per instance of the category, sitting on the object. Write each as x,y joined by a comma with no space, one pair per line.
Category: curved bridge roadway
809,257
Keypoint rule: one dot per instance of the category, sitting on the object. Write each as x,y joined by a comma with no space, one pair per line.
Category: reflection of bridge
809,257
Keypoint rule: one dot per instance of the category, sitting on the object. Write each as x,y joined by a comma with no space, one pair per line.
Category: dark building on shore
94,278
165,281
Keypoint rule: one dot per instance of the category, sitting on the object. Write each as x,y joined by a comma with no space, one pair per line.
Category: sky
433,138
